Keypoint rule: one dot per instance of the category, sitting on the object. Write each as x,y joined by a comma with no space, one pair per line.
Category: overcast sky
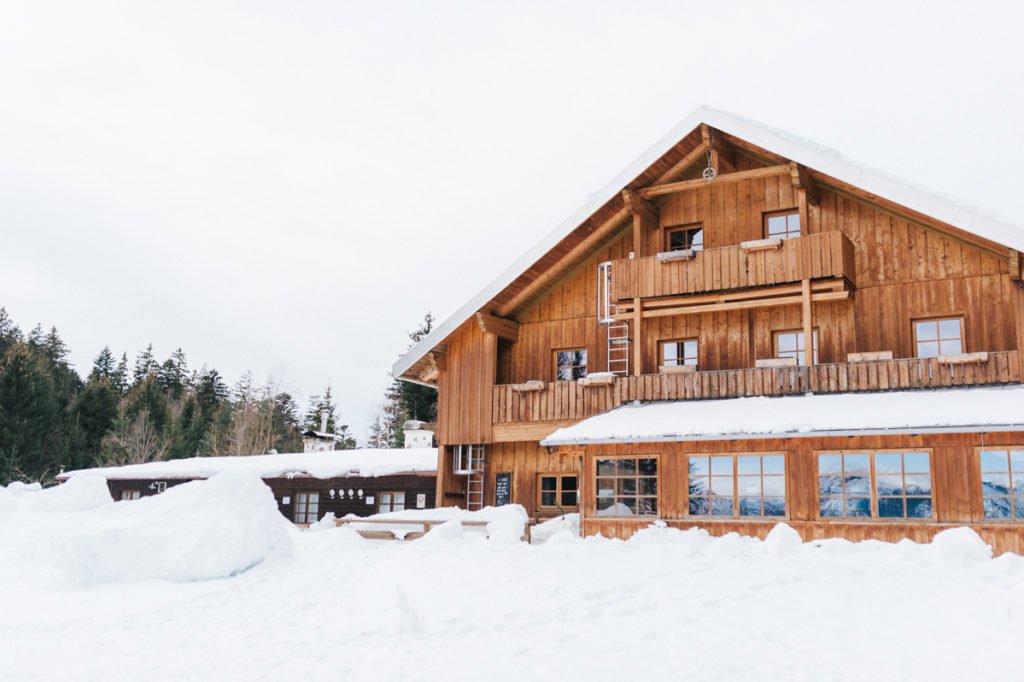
287,187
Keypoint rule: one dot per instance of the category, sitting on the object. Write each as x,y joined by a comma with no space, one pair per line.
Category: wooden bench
418,530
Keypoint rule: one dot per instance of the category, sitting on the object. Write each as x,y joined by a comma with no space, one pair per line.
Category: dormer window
685,237
782,224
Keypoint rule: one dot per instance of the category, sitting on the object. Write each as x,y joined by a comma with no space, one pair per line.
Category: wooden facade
859,274
341,496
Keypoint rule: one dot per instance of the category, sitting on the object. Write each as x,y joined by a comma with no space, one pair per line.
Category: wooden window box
760,245
528,387
776,362
670,256
869,356
963,359
598,379
677,369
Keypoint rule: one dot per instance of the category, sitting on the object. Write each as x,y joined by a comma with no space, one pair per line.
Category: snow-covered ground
205,583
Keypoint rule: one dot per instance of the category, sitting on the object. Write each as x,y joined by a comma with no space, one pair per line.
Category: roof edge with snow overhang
974,410
793,147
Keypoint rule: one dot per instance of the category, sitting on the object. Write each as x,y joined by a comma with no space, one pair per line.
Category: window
307,508
782,225
627,486
684,237
390,502
885,485
1002,483
938,337
130,494
557,491
676,353
737,485
790,344
570,364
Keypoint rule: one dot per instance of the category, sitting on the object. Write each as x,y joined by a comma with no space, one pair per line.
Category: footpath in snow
208,581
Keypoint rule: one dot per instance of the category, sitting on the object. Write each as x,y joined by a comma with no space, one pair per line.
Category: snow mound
505,524
558,530
960,545
70,535
782,541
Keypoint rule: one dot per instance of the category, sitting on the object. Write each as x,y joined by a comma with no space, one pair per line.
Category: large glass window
627,486
570,364
1002,483
885,485
684,237
307,508
938,337
737,485
790,344
782,225
557,491
676,353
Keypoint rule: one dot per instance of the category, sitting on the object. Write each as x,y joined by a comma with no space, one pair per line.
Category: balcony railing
570,400
816,256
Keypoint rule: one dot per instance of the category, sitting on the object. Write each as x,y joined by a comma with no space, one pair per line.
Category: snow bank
332,464
800,416
74,534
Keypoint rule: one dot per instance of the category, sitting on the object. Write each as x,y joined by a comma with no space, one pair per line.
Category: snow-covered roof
793,147
365,463
947,410
321,434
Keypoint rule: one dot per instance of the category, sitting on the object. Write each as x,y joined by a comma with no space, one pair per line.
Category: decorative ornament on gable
710,173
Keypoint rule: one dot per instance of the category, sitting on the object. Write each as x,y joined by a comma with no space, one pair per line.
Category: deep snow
666,605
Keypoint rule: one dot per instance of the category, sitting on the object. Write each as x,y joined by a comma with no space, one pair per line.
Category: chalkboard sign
502,489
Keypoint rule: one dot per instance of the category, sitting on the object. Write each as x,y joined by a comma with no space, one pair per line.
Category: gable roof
804,152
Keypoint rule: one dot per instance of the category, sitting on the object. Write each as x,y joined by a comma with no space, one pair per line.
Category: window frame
380,501
1013,519
960,317
873,485
736,516
684,341
133,494
305,511
615,497
815,345
693,228
571,349
560,489
787,212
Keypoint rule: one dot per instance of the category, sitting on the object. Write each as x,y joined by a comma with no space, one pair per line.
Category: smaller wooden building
307,485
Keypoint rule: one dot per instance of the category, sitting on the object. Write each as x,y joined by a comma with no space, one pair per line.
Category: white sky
287,187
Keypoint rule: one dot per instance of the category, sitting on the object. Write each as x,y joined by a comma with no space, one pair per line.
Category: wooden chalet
306,485
669,351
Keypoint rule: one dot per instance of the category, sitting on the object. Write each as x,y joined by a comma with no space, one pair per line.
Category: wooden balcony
828,255
570,400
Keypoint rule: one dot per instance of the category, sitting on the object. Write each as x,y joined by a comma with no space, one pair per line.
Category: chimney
323,421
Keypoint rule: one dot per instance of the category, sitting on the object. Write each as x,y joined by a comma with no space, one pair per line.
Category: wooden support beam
680,166
808,323
638,310
796,299
683,185
638,205
749,294
500,326
802,180
1016,266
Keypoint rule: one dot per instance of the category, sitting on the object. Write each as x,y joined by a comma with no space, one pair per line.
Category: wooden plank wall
470,372
956,487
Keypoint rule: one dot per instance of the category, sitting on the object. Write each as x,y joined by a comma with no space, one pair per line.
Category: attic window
782,224
685,237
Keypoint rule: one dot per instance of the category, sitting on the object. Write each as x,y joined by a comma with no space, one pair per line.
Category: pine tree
318,405
119,378
54,347
145,364
29,413
104,366
95,413
173,374
404,400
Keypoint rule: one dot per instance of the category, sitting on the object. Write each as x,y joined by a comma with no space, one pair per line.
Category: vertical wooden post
638,235
638,352
805,222
808,323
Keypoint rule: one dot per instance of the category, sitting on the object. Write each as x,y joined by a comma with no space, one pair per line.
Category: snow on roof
946,410
365,463
803,151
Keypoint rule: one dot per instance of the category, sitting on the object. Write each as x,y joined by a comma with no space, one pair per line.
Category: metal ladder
475,491
618,348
